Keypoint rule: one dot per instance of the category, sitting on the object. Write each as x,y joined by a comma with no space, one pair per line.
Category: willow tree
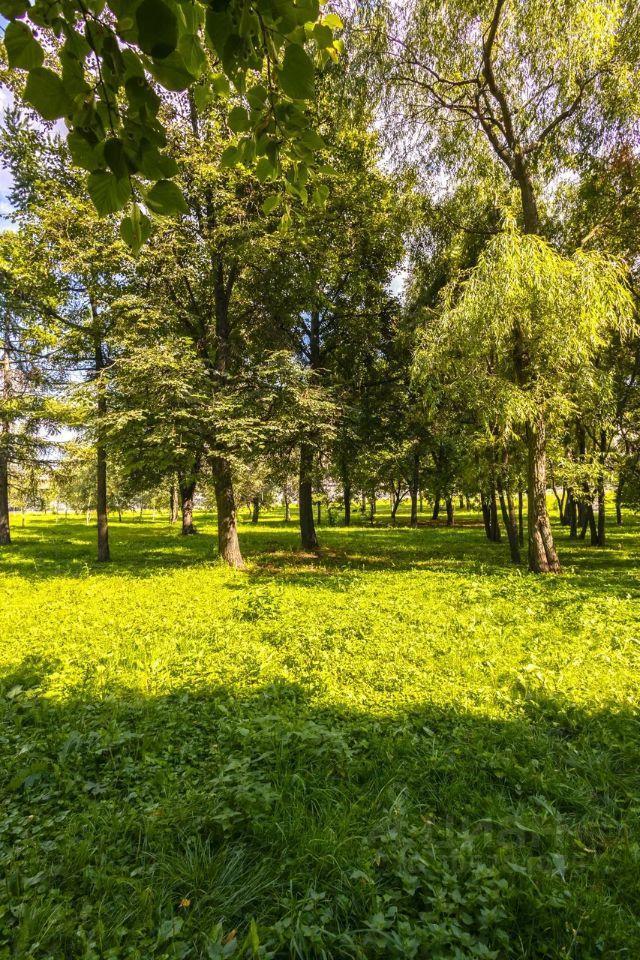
517,333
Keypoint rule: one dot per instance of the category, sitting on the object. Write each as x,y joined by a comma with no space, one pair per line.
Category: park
319,480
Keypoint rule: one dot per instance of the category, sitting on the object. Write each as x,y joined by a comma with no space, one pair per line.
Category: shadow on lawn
435,833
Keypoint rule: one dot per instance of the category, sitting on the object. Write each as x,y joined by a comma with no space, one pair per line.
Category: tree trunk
308,535
228,543
347,503
460,502
486,514
5,523
255,509
601,492
571,514
5,530
496,536
101,459
619,501
415,484
520,518
542,553
287,504
363,503
449,505
510,520
173,502
187,491
436,506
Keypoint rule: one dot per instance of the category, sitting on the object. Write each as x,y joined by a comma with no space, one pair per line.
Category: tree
563,310
511,82
28,410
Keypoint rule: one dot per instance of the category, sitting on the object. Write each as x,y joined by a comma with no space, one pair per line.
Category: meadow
401,748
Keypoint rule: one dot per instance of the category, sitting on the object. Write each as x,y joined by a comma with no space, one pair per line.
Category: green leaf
82,152
23,50
46,93
135,229
238,120
271,203
155,165
219,27
322,35
157,28
333,21
220,85
320,194
172,72
115,157
265,170
13,8
192,53
108,192
313,140
229,157
297,75
165,199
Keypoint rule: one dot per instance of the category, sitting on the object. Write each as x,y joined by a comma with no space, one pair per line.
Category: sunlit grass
402,747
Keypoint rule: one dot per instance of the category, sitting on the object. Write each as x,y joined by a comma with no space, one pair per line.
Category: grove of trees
266,250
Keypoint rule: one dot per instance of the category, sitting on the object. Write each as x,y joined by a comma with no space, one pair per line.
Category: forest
319,479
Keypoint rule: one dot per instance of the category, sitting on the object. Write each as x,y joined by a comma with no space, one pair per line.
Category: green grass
405,748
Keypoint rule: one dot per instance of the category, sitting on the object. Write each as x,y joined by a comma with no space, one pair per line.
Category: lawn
402,748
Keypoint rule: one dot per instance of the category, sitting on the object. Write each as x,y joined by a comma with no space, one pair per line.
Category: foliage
99,65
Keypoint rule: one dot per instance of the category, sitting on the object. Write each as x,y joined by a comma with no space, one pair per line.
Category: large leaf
135,229
297,73
13,8
157,28
45,92
23,50
239,120
172,72
165,199
108,192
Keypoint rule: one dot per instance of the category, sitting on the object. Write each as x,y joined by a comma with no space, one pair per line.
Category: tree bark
571,514
5,522
255,509
601,492
228,543
542,553
510,520
619,501
187,491
436,506
5,528
449,505
520,518
486,514
415,484
347,503
496,536
173,502
287,503
104,554
308,535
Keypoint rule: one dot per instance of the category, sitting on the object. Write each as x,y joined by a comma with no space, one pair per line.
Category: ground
403,748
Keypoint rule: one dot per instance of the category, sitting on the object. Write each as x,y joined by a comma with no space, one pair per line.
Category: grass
403,748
